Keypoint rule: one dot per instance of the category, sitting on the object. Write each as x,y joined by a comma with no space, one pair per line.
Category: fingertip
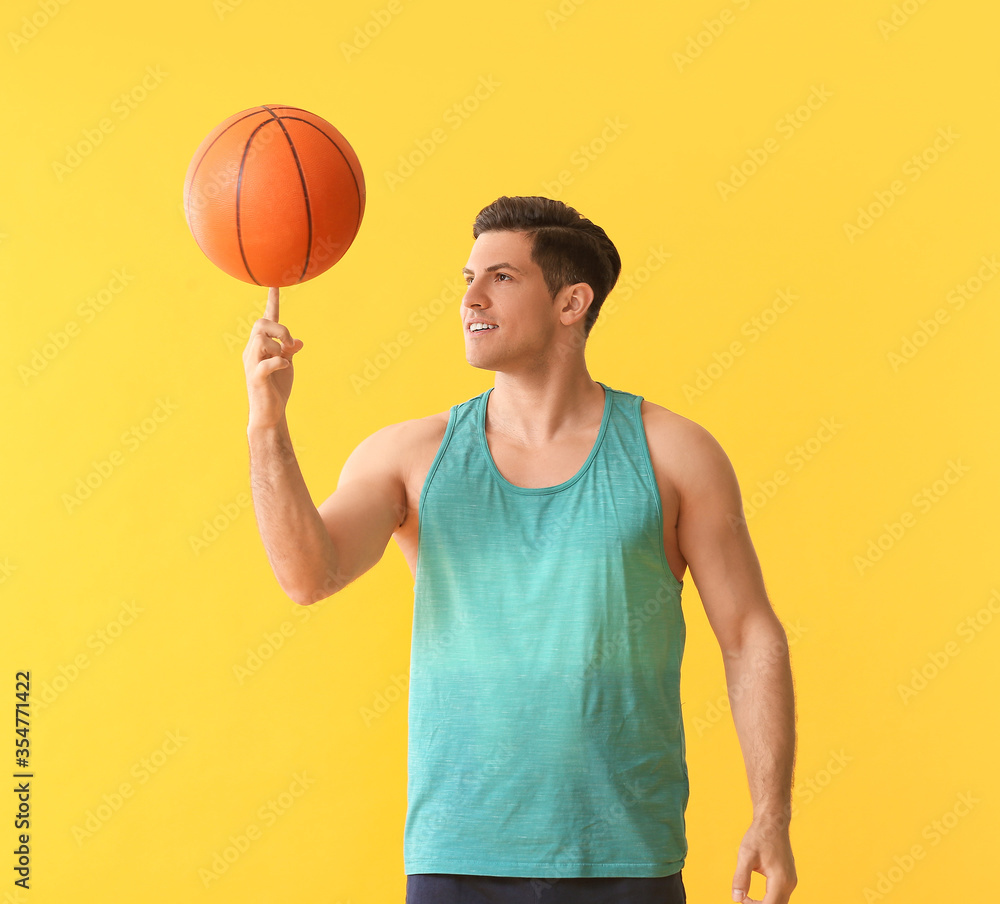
271,308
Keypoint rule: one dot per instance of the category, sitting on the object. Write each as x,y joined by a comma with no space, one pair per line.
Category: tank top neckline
534,491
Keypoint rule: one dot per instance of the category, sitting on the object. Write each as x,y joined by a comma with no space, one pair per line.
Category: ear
574,302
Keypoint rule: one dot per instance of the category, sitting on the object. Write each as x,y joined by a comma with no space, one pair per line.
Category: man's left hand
765,849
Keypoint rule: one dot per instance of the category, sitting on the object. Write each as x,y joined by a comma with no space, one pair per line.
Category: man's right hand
267,360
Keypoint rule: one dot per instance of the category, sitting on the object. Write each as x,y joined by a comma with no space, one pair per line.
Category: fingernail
737,895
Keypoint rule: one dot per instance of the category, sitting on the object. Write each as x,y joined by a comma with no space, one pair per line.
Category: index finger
775,892
271,309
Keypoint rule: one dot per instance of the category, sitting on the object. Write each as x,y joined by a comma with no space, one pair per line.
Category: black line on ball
284,107
239,191
305,190
357,188
205,154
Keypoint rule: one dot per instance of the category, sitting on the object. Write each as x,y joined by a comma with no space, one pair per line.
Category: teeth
476,327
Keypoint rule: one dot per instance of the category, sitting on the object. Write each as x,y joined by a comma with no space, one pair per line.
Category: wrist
773,818
260,427
269,442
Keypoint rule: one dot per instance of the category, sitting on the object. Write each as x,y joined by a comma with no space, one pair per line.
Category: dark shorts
441,888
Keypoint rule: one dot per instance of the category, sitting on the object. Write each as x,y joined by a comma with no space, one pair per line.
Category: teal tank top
545,731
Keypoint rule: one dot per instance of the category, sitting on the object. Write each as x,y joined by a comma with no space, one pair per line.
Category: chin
482,365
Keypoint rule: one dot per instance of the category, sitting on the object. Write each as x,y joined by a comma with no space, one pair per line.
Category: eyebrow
492,268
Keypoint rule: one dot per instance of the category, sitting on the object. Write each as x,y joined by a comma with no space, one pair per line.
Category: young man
549,523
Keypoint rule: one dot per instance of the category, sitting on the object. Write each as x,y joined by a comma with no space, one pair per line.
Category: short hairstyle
567,247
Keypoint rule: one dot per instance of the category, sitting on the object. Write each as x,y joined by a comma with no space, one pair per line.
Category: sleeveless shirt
545,731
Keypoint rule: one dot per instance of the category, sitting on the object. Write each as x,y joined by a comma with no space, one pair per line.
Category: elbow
758,638
302,599
310,576
320,587
307,596
770,648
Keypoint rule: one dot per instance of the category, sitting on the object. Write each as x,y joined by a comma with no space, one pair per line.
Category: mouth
479,328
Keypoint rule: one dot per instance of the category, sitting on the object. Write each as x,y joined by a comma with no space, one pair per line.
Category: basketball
274,195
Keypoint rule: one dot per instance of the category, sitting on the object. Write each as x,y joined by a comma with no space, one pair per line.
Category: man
549,523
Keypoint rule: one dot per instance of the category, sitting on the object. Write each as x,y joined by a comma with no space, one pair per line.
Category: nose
475,296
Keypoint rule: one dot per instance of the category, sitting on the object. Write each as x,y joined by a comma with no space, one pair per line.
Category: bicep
368,505
713,537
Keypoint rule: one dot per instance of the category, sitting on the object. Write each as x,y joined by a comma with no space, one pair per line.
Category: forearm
298,546
761,696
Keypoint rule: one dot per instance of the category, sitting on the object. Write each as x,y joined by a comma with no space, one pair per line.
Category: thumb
269,365
741,878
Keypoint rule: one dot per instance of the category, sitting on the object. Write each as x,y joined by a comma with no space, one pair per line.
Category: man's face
506,290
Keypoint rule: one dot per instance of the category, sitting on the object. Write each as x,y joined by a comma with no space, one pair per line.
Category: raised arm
713,537
314,552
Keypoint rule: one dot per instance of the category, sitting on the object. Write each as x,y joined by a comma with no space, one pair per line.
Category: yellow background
162,707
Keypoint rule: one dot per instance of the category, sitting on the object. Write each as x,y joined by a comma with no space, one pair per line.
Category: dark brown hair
567,247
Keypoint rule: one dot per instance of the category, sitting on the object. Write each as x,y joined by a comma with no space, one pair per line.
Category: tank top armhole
654,490
448,432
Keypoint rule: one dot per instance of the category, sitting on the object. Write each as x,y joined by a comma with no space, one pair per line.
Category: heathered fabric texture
545,732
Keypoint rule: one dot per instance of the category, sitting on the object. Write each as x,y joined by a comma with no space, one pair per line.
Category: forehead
499,247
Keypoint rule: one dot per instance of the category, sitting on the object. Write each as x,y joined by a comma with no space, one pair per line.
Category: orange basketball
274,195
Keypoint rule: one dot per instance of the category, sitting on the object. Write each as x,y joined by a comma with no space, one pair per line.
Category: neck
538,409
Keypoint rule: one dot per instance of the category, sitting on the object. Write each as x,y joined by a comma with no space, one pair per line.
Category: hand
765,849
267,360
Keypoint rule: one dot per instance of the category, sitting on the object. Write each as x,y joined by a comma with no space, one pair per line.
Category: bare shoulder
683,450
414,436
682,435
405,440
415,430
397,458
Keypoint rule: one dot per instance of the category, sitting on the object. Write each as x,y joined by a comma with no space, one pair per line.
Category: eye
503,276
